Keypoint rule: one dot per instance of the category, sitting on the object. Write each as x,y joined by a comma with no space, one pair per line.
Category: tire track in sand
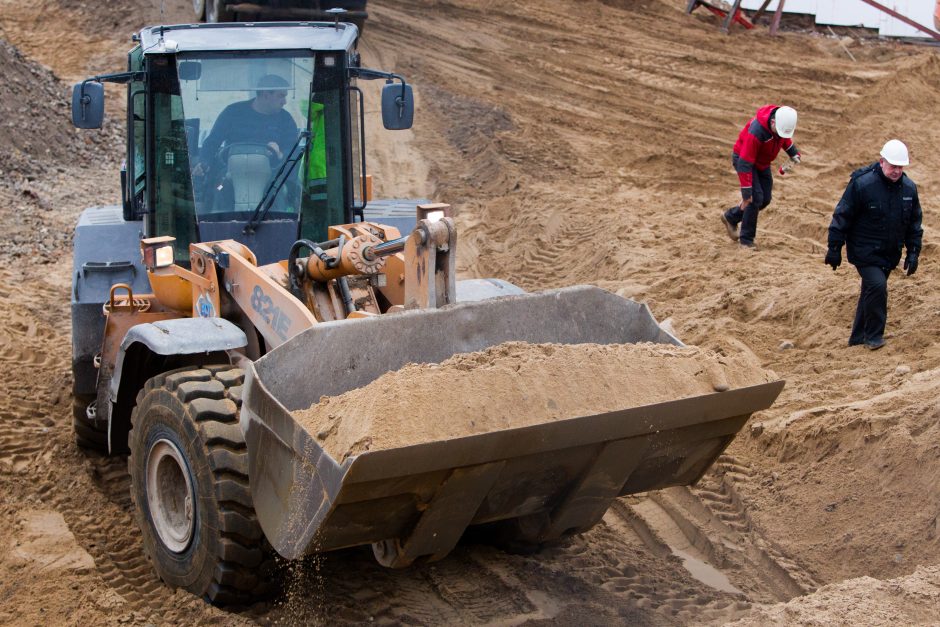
111,535
720,491
708,529
36,443
34,383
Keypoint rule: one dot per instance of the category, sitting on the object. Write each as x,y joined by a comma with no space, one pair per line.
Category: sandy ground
580,142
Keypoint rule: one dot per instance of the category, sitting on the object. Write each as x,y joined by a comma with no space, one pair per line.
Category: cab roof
248,36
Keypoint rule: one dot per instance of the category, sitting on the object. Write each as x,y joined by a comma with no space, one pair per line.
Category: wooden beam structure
775,23
734,15
903,18
759,12
726,25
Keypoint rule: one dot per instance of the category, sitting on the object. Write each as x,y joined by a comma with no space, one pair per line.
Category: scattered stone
902,370
786,345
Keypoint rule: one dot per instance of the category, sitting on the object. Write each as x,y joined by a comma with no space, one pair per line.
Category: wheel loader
240,281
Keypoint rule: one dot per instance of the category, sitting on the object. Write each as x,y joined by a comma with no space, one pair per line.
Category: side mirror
190,70
88,104
398,106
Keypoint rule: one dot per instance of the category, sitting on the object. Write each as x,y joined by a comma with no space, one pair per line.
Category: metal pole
726,26
775,24
904,19
385,248
760,12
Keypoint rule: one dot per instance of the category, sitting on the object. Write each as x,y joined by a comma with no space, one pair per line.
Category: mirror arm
367,74
370,75
400,101
85,99
121,78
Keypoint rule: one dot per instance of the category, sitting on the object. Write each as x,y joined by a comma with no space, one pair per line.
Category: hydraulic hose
348,305
315,249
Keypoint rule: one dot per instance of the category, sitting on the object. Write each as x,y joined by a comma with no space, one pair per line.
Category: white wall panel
858,13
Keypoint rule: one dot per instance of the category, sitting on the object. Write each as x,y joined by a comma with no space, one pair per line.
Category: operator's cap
895,152
272,82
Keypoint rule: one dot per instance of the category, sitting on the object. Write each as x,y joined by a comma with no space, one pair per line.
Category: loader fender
155,347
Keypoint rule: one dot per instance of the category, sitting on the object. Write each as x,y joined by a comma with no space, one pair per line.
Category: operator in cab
262,120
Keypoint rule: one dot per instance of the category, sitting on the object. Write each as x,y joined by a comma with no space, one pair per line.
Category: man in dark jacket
759,143
878,214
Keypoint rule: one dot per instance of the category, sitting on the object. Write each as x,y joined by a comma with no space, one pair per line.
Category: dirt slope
580,142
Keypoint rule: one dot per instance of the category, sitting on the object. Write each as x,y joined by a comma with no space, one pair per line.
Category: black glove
910,263
834,257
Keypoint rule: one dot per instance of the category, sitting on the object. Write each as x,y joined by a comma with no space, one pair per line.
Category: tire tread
207,398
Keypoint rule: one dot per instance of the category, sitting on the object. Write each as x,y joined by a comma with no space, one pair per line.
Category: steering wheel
244,148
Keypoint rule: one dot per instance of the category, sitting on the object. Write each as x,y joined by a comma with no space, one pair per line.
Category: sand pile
909,600
516,385
36,131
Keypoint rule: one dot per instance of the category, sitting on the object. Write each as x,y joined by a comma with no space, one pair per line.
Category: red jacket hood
763,115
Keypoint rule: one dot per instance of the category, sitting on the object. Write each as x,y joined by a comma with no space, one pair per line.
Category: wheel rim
170,496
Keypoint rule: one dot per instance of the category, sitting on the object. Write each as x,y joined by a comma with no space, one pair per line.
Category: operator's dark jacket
876,217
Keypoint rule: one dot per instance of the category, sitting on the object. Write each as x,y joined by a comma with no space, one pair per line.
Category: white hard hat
895,152
785,118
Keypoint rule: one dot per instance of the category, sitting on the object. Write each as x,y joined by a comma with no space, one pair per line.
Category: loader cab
245,132
242,140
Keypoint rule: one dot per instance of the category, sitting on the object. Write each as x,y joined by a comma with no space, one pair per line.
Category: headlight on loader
157,252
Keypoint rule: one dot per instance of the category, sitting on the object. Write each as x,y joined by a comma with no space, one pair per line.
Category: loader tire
520,536
89,434
189,483
216,11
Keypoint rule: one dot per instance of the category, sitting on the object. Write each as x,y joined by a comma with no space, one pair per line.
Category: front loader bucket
536,483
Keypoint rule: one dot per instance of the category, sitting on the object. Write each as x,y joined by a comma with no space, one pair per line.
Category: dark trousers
762,187
871,314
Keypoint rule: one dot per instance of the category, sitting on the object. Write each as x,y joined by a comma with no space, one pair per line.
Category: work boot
874,345
731,228
747,245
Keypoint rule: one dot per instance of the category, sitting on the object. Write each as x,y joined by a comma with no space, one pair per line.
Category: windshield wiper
277,182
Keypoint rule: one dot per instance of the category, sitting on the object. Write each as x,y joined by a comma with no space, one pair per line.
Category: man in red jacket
758,144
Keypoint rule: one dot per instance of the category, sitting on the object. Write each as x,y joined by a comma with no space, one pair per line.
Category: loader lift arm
283,299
